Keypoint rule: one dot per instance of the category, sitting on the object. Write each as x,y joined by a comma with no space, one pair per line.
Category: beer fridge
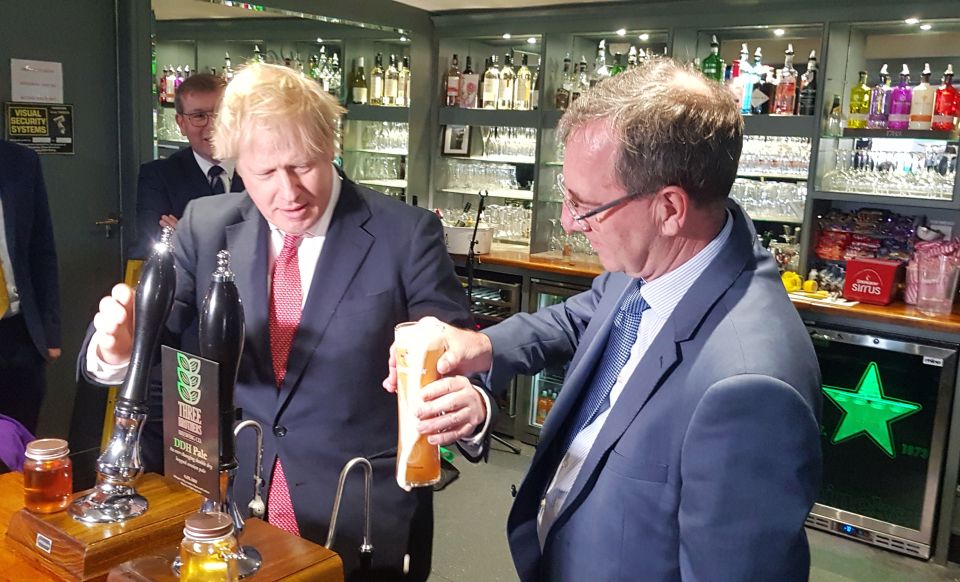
886,404
539,392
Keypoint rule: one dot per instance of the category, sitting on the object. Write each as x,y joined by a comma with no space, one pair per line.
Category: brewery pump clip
114,497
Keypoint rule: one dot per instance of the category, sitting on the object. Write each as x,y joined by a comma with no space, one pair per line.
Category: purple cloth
13,442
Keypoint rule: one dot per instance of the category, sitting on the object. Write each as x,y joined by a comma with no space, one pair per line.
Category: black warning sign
46,129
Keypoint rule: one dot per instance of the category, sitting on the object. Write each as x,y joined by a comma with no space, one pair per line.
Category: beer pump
114,497
221,340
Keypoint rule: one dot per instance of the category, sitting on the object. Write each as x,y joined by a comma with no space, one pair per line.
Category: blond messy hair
276,98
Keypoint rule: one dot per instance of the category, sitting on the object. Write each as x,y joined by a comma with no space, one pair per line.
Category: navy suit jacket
708,463
29,230
165,187
382,263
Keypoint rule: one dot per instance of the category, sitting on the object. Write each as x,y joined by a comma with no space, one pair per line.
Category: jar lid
208,526
46,449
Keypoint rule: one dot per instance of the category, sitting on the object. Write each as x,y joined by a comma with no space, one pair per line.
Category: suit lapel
248,242
344,250
666,350
199,184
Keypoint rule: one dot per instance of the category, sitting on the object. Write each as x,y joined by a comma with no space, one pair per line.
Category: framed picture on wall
456,140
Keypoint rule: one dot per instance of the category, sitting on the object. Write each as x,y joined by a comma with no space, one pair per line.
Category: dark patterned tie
286,300
622,336
216,180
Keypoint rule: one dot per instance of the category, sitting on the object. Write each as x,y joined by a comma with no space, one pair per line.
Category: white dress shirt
308,253
8,271
226,176
662,296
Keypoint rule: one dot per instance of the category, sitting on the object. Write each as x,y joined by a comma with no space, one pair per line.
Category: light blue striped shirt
662,295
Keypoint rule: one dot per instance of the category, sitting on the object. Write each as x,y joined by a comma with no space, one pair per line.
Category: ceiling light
644,37
621,32
779,32
912,20
926,26
320,40
404,39
531,40
506,36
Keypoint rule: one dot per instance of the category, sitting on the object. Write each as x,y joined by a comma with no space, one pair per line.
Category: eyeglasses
580,214
200,118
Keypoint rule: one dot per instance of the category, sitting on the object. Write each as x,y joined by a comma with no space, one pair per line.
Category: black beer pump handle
221,340
152,303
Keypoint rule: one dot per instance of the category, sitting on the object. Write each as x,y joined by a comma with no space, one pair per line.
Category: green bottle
712,66
617,67
859,103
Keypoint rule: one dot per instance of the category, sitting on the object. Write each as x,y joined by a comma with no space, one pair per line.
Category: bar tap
114,497
221,340
366,547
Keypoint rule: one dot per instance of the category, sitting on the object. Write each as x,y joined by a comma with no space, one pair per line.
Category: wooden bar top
585,266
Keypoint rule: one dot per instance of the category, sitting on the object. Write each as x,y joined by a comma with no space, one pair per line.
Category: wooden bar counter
285,556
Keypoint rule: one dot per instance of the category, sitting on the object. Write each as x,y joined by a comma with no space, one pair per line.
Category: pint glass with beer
417,347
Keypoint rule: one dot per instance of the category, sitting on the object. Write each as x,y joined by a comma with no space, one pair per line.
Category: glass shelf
495,159
384,152
508,194
384,183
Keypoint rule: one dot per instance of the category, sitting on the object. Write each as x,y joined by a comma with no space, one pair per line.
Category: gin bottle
880,102
747,76
712,66
901,98
921,107
859,103
945,103
786,95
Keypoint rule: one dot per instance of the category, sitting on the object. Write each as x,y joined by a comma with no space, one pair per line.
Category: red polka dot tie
286,299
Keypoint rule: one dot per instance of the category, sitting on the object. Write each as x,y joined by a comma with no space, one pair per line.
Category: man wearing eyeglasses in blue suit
165,186
685,441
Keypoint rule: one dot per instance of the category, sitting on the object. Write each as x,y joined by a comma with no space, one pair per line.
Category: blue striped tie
622,336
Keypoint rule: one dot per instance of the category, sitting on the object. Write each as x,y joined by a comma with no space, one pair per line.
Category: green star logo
866,410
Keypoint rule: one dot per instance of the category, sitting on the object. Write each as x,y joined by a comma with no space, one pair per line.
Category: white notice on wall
36,81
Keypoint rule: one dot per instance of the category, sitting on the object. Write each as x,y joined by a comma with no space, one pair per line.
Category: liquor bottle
901,98
403,88
642,57
617,67
179,78
523,86
859,103
921,108
600,69
583,81
186,71
227,67
760,99
257,57
786,95
808,93
491,85
880,102
469,87
535,87
391,83
358,87
171,83
452,83
733,82
945,103
745,84
162,87
507,81
565,87
336,79
375,95
835,120
712,66
632,57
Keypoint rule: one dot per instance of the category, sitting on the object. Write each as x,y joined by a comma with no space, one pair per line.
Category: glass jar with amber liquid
208,552
47,476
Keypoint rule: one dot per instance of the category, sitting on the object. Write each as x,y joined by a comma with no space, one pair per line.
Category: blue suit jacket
383,263
166,186
709,462
29,233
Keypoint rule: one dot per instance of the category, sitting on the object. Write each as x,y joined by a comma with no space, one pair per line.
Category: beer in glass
417,347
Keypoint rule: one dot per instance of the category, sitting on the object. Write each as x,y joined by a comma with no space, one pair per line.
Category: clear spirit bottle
600,69
583,81
921,106
786,95
901,99
760,99
880,102
859,103
632,57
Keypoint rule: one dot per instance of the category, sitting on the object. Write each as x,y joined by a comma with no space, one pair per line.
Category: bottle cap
46,449
926,69
883,69
905,70
208,526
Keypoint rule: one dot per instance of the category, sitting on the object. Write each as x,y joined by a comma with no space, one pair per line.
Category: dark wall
84,187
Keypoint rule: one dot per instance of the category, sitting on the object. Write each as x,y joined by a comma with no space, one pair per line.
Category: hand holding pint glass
417,347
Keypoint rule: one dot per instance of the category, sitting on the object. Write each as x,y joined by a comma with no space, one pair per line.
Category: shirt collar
665,292
321,226
205,165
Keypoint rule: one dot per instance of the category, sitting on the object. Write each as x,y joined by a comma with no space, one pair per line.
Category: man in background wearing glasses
165,186
685,441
